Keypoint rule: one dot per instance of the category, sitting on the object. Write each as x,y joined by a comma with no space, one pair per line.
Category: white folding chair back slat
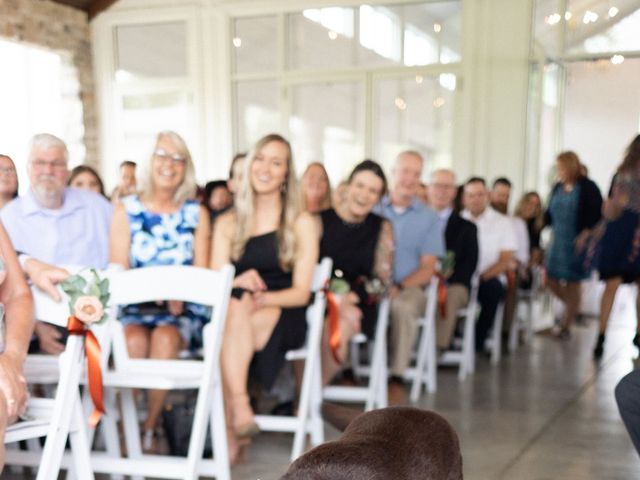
426,368
63,414
374,395
308,420
189,284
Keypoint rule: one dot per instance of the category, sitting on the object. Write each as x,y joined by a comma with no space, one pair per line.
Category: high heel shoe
599,349
244,422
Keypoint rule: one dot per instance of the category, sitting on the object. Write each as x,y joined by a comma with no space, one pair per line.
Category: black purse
178,421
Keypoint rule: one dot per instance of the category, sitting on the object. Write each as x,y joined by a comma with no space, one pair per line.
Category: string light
617,59
438,102
437,27
589,17
237,42
400,103
567,15
419,79
332,35
613,11
553,19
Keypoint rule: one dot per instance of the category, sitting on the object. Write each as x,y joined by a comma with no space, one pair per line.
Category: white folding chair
59,418
425,370
188,284
465,358
528,298
308,420
495,339
374,395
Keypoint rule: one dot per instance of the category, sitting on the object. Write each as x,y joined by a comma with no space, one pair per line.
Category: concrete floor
546,412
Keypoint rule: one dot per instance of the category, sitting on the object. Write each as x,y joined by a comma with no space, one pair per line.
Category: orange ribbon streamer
442,295
335,334
93,353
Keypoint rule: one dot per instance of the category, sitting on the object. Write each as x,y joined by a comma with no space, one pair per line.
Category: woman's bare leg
606,304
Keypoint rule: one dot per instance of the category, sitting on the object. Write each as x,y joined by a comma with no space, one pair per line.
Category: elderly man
461,240
497,242
55,225
419,244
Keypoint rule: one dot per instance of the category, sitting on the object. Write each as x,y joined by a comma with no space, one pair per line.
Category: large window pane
255,44
548,26
415,113
604,27
144,115
151,51
257,111
330,130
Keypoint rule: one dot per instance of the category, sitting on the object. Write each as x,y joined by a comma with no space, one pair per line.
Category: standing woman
574,209
162,225
620,258
8,180
316,189
274,248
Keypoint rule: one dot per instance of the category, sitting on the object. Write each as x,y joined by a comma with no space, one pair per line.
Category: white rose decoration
88,309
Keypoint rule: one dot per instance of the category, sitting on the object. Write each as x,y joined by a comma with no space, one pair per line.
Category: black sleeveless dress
352,247
261,253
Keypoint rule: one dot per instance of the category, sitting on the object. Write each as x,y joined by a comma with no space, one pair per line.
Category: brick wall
64,30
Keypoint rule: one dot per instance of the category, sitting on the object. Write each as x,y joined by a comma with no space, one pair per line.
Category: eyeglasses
175,158
55,164
442,185
7,170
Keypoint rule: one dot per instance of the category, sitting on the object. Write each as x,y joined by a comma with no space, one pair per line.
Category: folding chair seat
529,299
308,420
59,418
374,395
188,284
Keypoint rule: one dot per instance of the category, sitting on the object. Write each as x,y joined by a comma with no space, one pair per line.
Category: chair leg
496,351
81,451
432,358
421,364
218,433
317,425
130,426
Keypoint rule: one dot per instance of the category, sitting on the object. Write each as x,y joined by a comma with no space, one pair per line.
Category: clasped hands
251,281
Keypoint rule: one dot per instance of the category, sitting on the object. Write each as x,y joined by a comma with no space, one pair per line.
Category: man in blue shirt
53,225
419,243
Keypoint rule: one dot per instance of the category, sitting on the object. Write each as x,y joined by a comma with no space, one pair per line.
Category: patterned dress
163,239
562,261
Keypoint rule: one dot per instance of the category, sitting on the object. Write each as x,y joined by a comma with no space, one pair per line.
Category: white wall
602,114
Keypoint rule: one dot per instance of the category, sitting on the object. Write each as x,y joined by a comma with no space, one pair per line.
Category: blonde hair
519,211
245,207
187,189
326,200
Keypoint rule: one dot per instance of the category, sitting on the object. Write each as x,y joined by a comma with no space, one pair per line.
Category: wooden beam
98,6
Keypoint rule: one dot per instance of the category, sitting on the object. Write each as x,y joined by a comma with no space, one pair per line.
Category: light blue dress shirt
75,234
416,233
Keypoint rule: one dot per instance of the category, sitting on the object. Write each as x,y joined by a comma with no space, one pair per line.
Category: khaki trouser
457,298
406,309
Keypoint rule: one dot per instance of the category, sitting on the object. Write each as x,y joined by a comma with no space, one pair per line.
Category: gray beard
47,198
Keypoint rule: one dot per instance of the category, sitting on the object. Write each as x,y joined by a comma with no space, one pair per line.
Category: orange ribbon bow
335,334
442,295
93,353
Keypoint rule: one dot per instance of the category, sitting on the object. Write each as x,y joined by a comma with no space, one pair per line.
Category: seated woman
163,225
18,320
85,177
361,246
8,180
274,248
316,190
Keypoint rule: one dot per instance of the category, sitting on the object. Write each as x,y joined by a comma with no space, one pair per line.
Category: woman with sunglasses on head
274,248
163,225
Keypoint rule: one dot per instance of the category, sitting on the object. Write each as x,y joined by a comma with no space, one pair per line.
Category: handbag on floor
177,418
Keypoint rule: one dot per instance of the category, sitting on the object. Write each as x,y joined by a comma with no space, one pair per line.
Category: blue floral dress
163,239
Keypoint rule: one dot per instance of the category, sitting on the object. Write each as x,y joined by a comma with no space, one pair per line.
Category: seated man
419,243
496,242
55,225
462,243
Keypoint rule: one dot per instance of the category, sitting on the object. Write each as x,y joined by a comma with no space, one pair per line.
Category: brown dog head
399,443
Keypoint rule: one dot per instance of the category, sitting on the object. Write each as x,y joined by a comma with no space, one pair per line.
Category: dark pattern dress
164,239
261,253
562,261
352,248
619,244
